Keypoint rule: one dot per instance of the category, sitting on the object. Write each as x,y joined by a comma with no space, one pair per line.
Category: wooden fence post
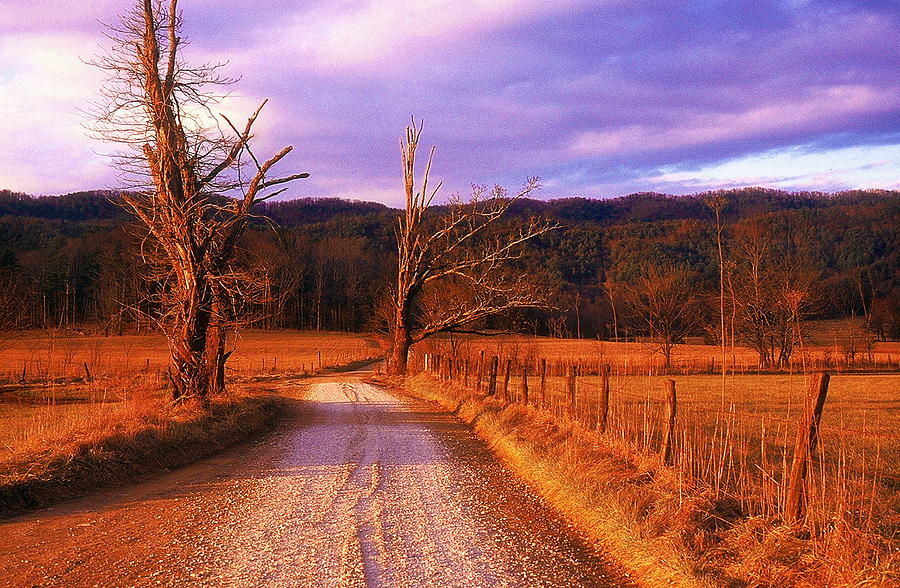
807,436
603,403
492,377
543,383
506,380
480,370
571,387
669,432
525,385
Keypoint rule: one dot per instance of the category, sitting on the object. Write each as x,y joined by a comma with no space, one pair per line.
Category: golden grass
107,444
744,452
598,486
668,527
862,411
59,424
733,449
737,439
128,372
825,343
42,355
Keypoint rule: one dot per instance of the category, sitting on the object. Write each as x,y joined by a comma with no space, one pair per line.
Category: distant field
56,403
41,356
823,340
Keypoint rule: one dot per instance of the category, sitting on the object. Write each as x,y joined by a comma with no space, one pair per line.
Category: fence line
751,456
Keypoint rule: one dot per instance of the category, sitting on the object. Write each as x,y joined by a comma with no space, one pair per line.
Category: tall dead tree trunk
155,104
717,202
400,344
448,275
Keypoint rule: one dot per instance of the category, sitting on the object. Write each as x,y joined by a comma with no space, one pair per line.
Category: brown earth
357,487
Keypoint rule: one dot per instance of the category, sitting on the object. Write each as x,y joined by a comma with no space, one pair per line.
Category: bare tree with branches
664,303
772,292
186,167
454,269
717,202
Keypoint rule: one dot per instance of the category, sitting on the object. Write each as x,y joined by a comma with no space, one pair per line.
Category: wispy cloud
41,96
371,33
819,108
792,169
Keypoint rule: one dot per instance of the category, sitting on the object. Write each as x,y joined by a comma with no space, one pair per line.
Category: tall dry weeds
718,507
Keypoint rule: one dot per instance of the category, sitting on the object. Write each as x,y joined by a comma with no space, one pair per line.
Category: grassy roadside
583,481
133,443
661,530
79,413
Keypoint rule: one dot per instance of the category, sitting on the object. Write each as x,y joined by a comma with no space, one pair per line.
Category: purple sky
597,98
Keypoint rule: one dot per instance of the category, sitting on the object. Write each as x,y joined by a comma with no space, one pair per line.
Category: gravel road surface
358,487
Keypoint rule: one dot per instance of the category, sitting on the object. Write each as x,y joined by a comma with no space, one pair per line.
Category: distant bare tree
717,202
13,310
611,288
664,303
772,293
185,165
453,269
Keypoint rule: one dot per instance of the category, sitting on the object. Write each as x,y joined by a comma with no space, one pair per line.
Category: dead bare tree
664,303
12,318
185,167
717,202
454,269
772,292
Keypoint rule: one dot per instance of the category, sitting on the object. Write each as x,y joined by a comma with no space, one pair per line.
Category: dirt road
357,488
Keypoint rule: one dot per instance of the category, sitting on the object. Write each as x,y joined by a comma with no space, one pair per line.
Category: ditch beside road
356,487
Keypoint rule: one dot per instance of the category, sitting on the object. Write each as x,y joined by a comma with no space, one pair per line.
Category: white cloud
32,15
43,87
818,108
360,34
46,90
793,169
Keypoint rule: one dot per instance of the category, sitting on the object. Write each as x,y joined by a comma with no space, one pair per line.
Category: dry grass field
863,407
667,527
746,423
827,342
41,355
57,405
625,356
734,444
744,446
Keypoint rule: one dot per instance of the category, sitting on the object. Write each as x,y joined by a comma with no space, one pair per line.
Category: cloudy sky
598,98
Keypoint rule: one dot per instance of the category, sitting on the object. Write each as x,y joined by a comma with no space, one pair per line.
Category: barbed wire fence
788,465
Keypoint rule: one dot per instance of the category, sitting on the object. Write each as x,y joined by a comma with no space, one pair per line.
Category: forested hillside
73,260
